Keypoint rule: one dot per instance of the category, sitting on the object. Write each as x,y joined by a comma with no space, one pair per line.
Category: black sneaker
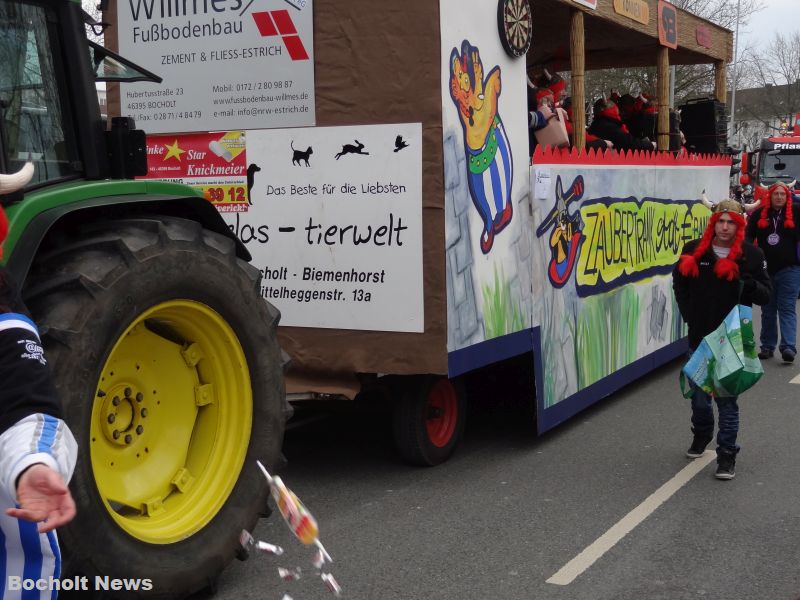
788,355
765,354
698,447
726,466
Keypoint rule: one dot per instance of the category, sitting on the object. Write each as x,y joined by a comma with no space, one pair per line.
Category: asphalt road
510,509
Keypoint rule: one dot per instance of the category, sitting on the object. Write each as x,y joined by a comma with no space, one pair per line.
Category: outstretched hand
43,496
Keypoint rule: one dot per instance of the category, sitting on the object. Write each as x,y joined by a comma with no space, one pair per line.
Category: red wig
544,93
3,229
558,86
724,268
612,112
766,201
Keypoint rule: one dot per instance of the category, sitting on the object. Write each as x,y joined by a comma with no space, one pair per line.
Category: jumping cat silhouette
399,143
300,155
351,149
251,177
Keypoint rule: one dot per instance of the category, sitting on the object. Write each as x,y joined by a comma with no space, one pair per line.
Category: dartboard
515,21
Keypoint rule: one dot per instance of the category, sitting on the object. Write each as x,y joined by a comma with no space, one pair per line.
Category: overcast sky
776,13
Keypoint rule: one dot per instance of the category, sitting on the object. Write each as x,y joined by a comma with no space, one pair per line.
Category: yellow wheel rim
171,421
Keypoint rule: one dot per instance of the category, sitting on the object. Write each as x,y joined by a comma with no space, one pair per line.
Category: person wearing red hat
776,230
37,449
607,125
555,84
714,274
540,103
592,141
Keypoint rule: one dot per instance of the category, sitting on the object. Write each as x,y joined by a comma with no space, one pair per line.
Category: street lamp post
734,82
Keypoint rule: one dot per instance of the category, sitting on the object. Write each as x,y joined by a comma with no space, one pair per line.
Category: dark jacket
784,253
705,300
609,129
26,385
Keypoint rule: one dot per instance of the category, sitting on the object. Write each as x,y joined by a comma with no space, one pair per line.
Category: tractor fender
47,224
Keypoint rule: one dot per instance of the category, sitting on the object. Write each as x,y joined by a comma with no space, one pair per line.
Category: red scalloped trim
572,156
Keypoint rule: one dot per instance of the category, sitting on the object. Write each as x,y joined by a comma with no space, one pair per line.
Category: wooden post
720,82
663,98
577,61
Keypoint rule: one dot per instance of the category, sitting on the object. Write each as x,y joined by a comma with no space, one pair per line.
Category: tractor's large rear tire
166,359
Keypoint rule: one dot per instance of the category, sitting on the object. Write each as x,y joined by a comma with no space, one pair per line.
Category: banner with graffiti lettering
607,231
486,160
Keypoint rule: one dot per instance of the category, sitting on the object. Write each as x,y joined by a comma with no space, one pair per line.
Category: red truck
776,159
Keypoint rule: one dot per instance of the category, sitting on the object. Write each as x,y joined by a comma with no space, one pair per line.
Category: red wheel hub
442,413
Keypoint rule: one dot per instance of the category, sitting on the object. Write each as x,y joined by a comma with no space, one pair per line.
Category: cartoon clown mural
489,159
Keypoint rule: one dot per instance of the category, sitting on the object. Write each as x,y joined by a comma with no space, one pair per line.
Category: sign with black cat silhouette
335,225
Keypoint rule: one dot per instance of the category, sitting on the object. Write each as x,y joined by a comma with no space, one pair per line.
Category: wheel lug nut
139,397
111,418
127,392
115,434
100,393
139,429
144,413
128,438
115,401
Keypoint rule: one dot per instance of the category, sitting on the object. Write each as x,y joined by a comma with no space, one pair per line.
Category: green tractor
163,350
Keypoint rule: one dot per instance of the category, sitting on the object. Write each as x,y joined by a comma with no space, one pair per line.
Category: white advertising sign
226,64
335,224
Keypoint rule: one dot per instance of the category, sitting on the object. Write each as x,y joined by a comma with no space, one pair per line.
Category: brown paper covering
376,63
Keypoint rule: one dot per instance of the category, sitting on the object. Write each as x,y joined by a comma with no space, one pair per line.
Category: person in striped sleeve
37,449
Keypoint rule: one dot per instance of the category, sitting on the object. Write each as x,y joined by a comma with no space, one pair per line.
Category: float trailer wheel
428,419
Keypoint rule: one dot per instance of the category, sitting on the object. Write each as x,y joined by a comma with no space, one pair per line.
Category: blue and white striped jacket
30,432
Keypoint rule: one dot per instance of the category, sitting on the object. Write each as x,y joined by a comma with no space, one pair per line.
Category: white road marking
605,542
796,379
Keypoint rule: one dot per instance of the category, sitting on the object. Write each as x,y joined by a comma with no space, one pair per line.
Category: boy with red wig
714,274
775,229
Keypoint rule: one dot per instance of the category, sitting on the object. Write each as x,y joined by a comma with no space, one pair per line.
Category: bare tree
749,134
91,7
691,81
721,12
622,81
777,69
696,80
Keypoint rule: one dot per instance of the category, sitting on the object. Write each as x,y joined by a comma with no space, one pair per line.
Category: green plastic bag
726,362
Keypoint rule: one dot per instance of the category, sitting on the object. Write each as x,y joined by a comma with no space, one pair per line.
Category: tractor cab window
784,166
109,66
32,112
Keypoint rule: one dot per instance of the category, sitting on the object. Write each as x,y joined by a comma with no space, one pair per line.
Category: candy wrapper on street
265,548
289,574
331,584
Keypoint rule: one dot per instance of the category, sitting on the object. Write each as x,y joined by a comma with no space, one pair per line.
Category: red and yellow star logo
173,151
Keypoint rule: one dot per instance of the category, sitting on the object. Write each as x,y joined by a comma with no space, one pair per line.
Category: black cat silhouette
399,143
251,177
301,155
351,149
